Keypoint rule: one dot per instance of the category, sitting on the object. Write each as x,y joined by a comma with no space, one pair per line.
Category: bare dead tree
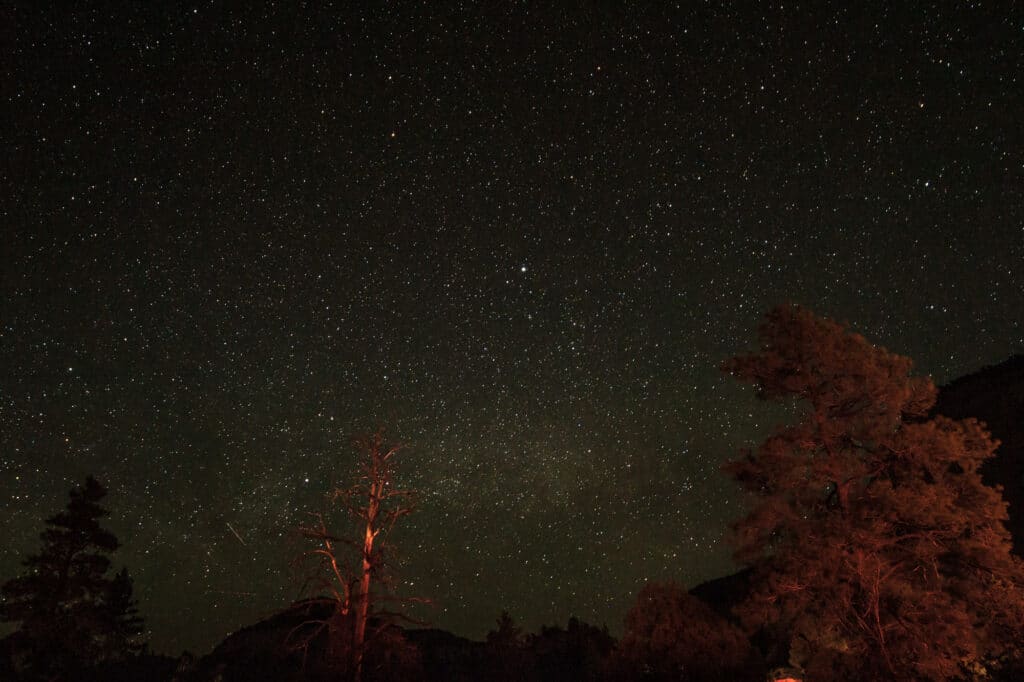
343,569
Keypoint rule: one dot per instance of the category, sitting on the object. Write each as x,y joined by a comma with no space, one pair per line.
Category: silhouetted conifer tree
876,548
507,633
578,653
506,651
70,614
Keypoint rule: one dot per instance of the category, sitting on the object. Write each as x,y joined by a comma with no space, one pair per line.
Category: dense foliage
877,550
69,612
672,635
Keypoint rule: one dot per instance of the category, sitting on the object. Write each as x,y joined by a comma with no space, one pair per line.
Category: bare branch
376,507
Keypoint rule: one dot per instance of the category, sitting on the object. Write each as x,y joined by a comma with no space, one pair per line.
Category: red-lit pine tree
876,548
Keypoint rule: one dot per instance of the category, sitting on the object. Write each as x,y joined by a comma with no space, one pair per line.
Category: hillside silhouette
995,395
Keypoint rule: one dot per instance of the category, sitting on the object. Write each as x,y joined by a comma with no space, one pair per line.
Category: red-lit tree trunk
375,506
377,479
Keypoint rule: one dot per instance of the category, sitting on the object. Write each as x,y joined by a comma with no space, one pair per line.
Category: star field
522,238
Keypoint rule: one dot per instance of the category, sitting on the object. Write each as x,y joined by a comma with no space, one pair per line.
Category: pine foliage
875,544
70,613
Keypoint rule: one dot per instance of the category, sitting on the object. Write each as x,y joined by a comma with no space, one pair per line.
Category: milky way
522,239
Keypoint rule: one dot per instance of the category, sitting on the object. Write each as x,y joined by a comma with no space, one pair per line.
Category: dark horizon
522,239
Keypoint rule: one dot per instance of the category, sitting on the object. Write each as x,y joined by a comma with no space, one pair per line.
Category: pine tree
120,618
507,634
507,658
69,613
876,548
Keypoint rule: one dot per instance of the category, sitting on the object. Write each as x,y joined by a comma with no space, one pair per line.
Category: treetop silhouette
69,613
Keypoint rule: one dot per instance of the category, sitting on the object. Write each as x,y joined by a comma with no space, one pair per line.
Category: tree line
871,549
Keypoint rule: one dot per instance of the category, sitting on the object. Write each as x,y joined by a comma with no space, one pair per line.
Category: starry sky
520,236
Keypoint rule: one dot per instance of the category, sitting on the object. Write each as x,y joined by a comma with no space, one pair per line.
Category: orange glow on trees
874,543
346,569
672,635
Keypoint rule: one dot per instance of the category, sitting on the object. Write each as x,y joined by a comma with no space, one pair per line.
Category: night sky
522,238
